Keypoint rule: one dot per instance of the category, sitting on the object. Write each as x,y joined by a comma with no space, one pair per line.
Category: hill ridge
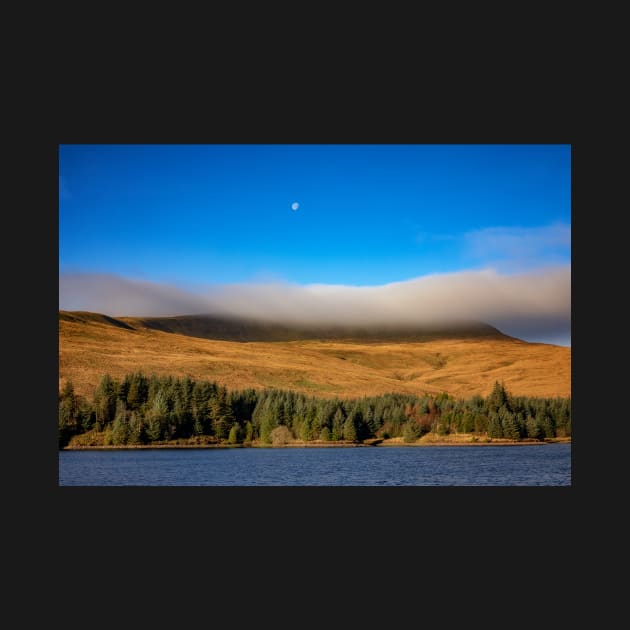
241,329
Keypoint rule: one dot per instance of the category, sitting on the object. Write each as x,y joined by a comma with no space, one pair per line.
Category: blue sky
191,216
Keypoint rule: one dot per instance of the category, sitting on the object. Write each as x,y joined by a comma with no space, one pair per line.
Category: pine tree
157,419
481,423
306,429
498,398
154,426
67,410
324,434
534,430
235,434
495,430
411,431
444,424
221,412
263,418
547,424
137,433
105,401
338,425
509,425
86,416
370,421
467,422
198,427
120,426
563,418
350,429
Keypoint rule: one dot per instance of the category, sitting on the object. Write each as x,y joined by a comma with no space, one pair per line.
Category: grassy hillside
339,362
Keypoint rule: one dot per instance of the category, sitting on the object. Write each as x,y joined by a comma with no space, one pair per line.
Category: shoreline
377,443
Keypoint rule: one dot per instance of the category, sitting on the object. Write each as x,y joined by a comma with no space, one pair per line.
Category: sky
348,233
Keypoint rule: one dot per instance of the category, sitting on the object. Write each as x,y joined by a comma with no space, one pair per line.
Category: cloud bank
535,306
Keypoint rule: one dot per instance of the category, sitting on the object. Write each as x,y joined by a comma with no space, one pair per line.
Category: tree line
142,409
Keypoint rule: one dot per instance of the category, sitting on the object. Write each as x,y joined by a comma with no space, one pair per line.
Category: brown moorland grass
349,368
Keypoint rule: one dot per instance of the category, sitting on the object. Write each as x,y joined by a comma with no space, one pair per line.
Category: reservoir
520,465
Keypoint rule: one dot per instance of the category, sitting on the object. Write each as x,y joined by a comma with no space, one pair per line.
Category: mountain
244,330
462,359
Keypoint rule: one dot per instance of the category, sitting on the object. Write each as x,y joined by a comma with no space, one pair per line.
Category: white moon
295,205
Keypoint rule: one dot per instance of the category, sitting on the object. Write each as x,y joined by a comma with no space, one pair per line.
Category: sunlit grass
348,369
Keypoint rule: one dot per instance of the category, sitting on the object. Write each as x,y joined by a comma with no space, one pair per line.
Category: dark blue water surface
535,465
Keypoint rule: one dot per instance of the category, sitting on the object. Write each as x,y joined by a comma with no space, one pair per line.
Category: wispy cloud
519,242
426,237
535,305
509,249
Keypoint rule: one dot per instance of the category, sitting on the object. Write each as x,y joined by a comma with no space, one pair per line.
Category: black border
483,518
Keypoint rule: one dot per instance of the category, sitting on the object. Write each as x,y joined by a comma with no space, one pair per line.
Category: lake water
535,465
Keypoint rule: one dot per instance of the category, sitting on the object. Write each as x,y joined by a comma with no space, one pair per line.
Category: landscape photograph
314,315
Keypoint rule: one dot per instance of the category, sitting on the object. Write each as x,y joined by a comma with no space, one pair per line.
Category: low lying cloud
535,306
